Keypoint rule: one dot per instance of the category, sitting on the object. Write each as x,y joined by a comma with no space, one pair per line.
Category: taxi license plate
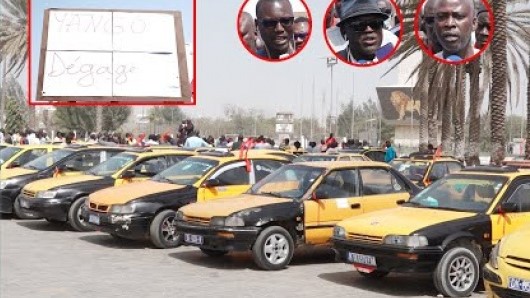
362,259
94,219
193,239
519,284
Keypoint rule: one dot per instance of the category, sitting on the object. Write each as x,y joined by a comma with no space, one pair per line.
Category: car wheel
163,232
20,213
214,252
458,273
273,249
74,216
376,274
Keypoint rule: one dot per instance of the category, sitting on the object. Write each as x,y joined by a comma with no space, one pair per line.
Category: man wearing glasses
361,25
427,25
301,31
455,21
275,19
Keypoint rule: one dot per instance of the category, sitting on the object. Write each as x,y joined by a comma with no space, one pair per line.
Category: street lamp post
331,61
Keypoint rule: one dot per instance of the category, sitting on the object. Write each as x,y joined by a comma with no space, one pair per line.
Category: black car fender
468,237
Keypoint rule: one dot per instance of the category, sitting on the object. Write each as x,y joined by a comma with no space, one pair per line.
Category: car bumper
129,226
48,208
390,258
220,238
7,197
496,281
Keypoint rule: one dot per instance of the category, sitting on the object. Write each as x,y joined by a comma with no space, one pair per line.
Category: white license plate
94,219
23,203
362,259
193,239
519,284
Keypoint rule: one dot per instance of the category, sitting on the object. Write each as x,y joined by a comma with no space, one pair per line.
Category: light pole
331,61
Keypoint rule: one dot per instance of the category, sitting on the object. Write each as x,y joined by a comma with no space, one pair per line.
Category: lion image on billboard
403,103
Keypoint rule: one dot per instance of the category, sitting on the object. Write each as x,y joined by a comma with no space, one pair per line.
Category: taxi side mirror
14,164
320,194
507,207
211,183
128,174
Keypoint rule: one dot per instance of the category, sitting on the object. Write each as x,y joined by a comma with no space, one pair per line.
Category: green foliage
13,35
15,115
114,117
83,119
167,115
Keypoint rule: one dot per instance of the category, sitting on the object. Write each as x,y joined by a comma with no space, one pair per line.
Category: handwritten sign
108,55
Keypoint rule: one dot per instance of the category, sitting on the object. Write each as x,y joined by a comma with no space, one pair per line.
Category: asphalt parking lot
39,259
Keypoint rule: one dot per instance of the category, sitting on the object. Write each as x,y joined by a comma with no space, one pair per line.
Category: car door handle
399,202
355,206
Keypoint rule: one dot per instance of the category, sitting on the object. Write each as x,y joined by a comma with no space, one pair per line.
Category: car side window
379,181
344,158
376,155
439,170
82,161
340,184
233,176
30,155
262,168
521,197
173,159
150,167
454,167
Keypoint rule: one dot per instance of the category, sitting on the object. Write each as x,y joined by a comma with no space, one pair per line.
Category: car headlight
234,221
217,221
409,241
3,184
47,194
122,209
494,255
179,215
339,232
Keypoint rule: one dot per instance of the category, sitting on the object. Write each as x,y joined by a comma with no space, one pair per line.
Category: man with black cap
361,24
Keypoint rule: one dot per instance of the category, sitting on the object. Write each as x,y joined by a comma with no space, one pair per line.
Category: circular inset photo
363,32
454,31
274,30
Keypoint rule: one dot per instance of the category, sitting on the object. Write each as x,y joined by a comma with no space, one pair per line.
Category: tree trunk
498,88
459,112
99,119
3,95
527,146
424,107
475,103
447,103
433,102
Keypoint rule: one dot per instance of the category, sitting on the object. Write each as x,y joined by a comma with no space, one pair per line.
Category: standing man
301,31
275,19
482,33
194,141
247,31
455,21
390,152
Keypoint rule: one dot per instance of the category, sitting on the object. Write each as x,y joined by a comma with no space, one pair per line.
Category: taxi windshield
467,193
187,171
322,157
7,153
112,165
289,181
47,160
412,169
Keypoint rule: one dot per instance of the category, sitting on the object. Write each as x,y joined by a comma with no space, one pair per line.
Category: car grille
99,207
518,262
365,238
508,293
197,220
28,193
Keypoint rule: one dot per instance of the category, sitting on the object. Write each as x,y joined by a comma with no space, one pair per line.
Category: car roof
343,164
235,155
505,171
39,146
160,153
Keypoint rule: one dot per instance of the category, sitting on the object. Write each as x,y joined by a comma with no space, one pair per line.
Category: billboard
397,103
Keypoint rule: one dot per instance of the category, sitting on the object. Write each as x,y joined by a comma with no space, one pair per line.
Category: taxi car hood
516,244
49,183
399,221
128,192
227,206
10,173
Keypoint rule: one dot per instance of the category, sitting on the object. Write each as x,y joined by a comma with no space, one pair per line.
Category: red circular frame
432,55
400,38
280,59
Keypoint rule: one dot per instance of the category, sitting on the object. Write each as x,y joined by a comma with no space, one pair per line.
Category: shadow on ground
43,225
109,241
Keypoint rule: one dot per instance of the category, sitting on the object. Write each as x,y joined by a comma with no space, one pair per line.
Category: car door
233,179
381,189
341,200
505,223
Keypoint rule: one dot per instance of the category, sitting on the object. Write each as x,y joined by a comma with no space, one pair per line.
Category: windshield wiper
164,179
30,167
273,194
411,203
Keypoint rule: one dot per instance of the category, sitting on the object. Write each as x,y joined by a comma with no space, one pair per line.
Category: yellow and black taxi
508,272
426,169
373,153
15,156
71,160
298,204
448,229
338,156
60,199
146,210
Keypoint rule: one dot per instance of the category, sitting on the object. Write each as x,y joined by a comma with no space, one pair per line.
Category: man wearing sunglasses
275,19
361,25
454,23
427,23
482,33
301,31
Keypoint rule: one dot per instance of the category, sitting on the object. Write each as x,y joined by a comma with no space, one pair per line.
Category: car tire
458,273
162,232
74,216
20,213
376,274
214,252
273,249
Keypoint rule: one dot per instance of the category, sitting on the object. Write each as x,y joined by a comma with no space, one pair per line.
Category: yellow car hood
398,221
45,184
227,206
128,192
10,173
516,244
